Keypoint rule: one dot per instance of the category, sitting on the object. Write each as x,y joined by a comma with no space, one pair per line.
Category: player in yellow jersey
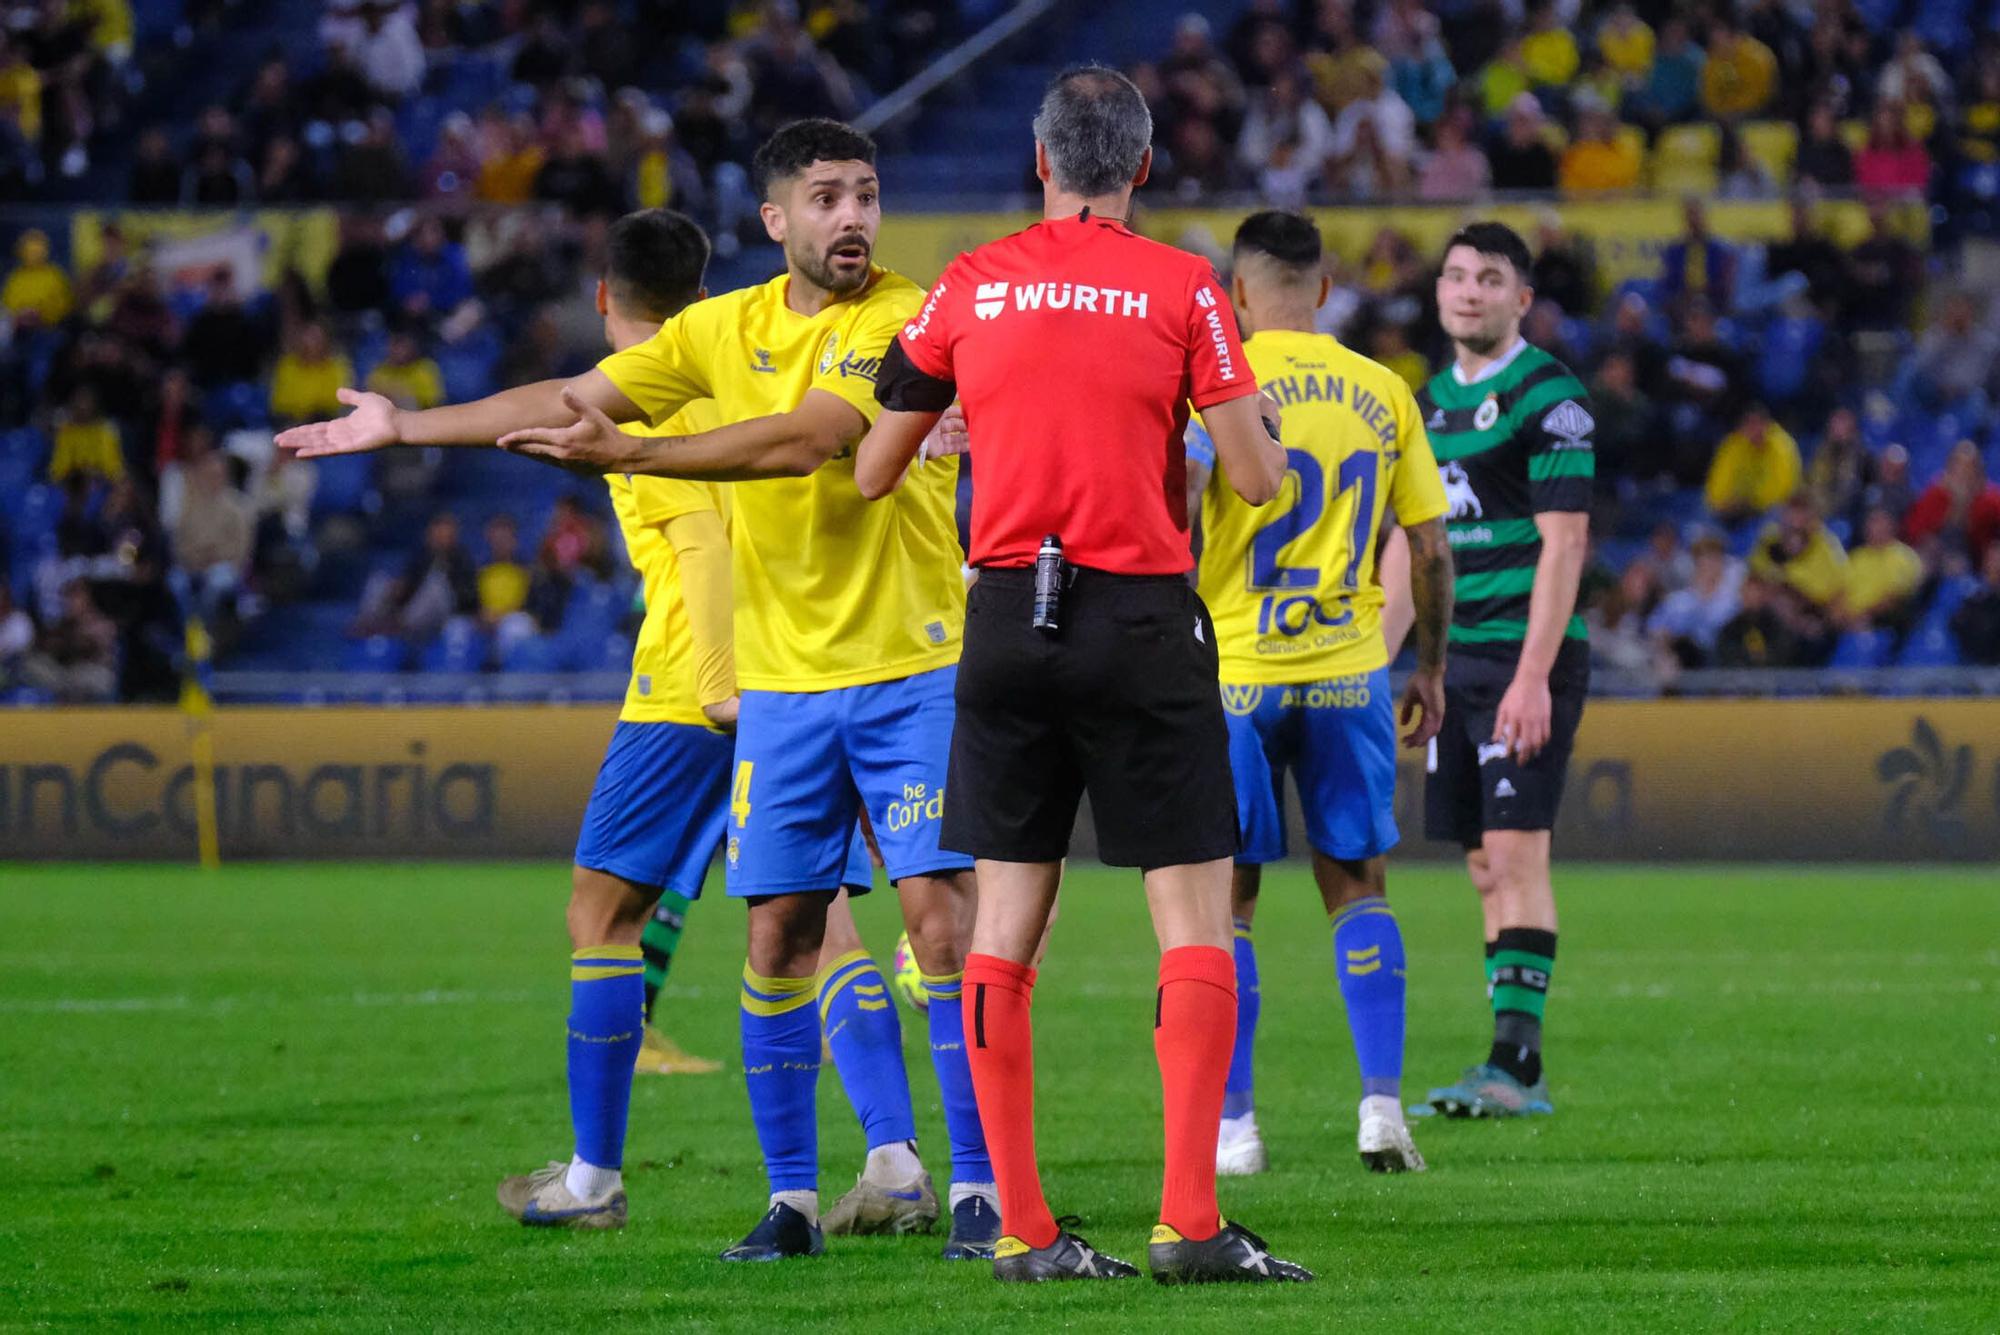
848,629
1297,606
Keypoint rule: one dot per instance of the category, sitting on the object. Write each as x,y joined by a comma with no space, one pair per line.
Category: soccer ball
909,978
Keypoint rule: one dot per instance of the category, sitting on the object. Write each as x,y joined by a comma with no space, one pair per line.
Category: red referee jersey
1076,347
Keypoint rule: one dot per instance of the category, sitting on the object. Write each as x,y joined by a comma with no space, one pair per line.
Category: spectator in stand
429,277
1889,484
1702,387
454,166
1343,66
1629,435
1626,43
1812,256
156,172
76,659
1893,162
1740,76
503,580
1755,468
407,377
87,443
1913,74
1504,81
371,169
1698,265
1198,77
283,503
388,51
508,174
576,176
1885,275
1199,164
1598,160
1283,113
1261,23
357,281
1823,157
20,89
1689,621
1367,169
1797,553
270,109
37,291
1548,48
283,174
1420,70
1389,344
1738,175
1564,272
1376,104
223,342
1976,623
1839,467
17,635
791,77
1521,157
438,583
1455,170
1955,358
212,539
1882,579
1957,516
218,177
575,541
1672,90
307,378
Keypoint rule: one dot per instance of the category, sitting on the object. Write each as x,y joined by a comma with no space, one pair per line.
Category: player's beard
1484,340
819,271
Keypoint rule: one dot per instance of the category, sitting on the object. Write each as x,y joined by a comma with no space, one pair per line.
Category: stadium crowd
1794,438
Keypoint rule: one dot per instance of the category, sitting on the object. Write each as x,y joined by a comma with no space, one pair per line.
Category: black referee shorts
1122,704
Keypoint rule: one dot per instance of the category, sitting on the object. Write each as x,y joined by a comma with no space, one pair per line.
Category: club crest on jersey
1570,424
829,353
1487,414
989,299
1241,700
1458,492
1437,420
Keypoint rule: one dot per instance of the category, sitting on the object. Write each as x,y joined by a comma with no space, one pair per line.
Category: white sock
893,1165
964,1191
1239,1125
805,1202
1381,1105
588,1182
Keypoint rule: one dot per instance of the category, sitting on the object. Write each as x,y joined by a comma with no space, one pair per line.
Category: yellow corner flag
198,707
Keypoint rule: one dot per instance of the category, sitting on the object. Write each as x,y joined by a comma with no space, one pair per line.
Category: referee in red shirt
1076,347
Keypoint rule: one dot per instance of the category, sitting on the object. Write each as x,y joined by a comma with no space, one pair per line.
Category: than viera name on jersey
1510,445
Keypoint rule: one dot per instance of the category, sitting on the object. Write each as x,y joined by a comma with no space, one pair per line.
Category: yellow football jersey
1292,584
831,590
662,689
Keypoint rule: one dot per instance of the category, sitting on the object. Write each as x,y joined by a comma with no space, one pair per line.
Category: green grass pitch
282,1095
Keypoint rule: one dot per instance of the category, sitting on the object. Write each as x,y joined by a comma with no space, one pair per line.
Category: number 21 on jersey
1300,531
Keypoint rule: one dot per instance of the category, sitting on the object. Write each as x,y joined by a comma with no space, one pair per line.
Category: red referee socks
1194,1033
1000,1048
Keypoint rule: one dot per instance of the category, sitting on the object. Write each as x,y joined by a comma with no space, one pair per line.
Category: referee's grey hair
1094,123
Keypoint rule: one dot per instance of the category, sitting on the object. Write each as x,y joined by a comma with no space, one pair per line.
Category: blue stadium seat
1789,347
460,647
240,404
1862,649
346,485
1950,594
536,653
610,652
1931,645
377,653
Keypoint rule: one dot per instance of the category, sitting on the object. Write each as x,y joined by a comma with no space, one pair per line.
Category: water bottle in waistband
1048,584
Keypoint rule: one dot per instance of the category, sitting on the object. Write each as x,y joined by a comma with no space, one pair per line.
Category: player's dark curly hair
1277,234
1496,239
657,258
799,145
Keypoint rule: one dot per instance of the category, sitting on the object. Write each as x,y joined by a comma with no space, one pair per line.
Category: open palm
371,426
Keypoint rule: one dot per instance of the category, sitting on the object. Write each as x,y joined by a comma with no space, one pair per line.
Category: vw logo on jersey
1458,492
1241,700
989,300
1487,415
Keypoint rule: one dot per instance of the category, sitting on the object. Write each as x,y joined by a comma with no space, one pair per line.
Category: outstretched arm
791,444
376,423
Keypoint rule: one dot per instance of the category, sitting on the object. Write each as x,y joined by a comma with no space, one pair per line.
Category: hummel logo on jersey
989,300
1493,751
763,362
1571,424
1504,788
1205,299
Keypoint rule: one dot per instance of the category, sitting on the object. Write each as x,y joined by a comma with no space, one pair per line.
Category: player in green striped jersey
1512,430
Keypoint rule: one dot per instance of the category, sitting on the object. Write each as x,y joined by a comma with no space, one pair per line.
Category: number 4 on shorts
739,793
